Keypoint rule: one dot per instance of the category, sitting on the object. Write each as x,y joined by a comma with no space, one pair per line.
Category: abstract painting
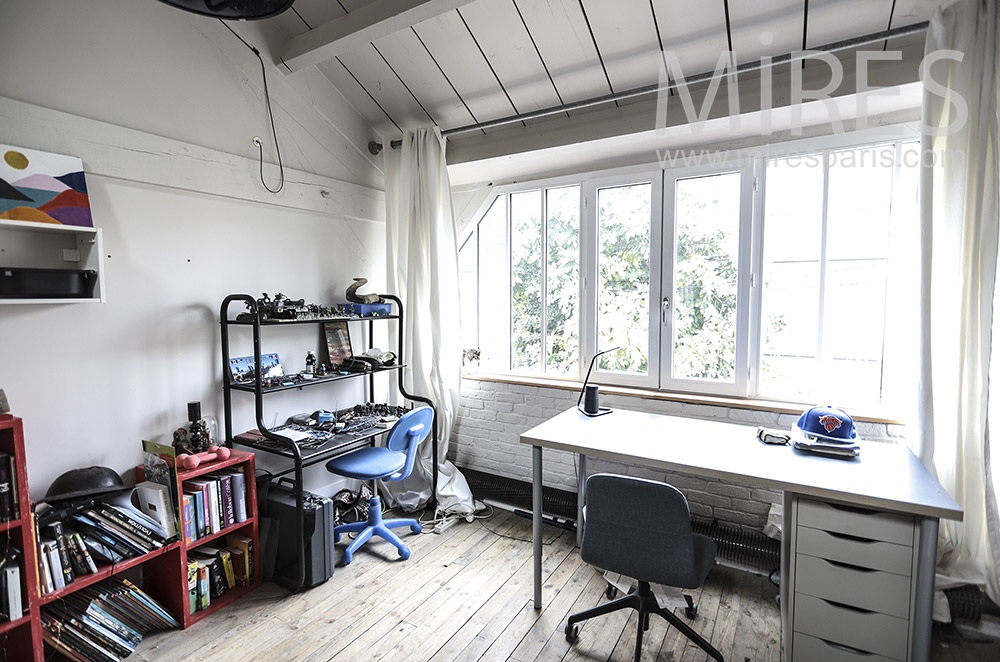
41,187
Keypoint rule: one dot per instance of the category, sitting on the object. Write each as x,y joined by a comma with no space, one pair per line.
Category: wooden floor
465,594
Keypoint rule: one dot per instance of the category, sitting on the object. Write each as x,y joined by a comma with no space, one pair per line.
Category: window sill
649,394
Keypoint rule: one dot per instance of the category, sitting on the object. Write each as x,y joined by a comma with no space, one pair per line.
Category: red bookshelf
164,571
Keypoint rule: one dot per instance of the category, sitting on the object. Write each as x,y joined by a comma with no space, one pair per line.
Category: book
118,531
216,574
238,557
99,552
66,637
199,488
239,496
154,501
50,552
6,487
106,536
96,634
127,503
226,560
80,567
192,577
204,596
187,518
10,592
215,505
130,520
246,544
160,466
46,585
55,531
227,515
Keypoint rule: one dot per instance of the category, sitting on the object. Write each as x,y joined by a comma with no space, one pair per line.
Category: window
776,276
527,249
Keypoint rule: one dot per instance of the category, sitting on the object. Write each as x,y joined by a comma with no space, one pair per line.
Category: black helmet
89,481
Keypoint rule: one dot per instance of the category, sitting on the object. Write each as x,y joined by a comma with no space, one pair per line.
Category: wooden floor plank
466,595
476,635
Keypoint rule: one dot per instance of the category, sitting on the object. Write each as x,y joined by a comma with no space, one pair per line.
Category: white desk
886,478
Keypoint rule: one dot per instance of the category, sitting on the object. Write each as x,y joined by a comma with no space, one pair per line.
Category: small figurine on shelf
199,435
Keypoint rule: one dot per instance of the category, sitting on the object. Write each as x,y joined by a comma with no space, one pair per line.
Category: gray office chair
642,529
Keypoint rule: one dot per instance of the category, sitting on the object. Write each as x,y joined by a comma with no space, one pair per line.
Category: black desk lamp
591,405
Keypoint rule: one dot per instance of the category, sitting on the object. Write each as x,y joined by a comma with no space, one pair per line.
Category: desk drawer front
873,590
866,553
874,525
813,649
867,631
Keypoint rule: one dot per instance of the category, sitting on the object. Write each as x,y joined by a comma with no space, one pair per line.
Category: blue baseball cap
830,423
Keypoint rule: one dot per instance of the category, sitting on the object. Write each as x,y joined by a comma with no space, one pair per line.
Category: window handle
664,307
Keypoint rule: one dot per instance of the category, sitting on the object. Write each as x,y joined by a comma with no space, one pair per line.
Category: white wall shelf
48,246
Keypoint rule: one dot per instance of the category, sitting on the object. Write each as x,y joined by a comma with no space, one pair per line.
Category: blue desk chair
642,529
394,461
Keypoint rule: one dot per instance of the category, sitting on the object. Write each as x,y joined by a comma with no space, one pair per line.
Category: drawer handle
847,536
849,566
859,610
850,509
847,649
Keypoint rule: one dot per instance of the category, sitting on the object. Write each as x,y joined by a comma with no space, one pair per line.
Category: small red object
213,453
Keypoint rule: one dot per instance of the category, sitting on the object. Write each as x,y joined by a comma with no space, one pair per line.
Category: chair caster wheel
404,554
345,560
416,528
571,632
611,592
691,610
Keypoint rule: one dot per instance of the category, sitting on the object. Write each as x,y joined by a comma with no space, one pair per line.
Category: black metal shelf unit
272,441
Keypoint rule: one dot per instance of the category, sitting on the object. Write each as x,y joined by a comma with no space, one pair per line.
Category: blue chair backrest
407,435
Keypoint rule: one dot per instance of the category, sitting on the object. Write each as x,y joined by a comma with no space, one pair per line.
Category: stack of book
8,488
214,569
212,503
103,622
93,534
11,604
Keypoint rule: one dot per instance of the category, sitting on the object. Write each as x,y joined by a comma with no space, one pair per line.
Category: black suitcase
319,521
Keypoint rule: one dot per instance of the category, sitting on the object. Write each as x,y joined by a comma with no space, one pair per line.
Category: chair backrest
406,436
639,528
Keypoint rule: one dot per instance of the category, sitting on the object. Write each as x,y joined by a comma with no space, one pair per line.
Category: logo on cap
829,422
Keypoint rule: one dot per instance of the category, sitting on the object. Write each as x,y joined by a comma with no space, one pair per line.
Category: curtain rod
376,147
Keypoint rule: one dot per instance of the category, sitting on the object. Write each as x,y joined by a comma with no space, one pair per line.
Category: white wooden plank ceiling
456,63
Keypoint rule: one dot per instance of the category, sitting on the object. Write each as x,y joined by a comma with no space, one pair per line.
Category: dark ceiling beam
365,25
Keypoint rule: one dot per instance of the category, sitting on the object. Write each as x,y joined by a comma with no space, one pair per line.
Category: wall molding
115,151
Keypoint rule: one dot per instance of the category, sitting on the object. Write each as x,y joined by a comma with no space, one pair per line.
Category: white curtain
958,244
422,264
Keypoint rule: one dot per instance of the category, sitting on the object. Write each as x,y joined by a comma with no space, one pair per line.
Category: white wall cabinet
44,246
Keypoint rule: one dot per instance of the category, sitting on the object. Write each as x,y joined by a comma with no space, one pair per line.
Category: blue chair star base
375,526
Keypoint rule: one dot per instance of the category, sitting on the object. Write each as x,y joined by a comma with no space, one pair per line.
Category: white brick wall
492,416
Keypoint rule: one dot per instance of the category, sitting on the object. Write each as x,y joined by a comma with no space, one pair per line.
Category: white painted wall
147,66
160,105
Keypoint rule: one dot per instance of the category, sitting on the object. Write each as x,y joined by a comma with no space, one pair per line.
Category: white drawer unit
851,582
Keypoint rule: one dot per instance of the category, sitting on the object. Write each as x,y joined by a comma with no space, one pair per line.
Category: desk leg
923,601
536,519
581,497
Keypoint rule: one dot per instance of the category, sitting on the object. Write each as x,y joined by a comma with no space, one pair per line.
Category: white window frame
744,276
588,280
751,252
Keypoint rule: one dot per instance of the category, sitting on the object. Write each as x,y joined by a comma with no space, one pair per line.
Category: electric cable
267,100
